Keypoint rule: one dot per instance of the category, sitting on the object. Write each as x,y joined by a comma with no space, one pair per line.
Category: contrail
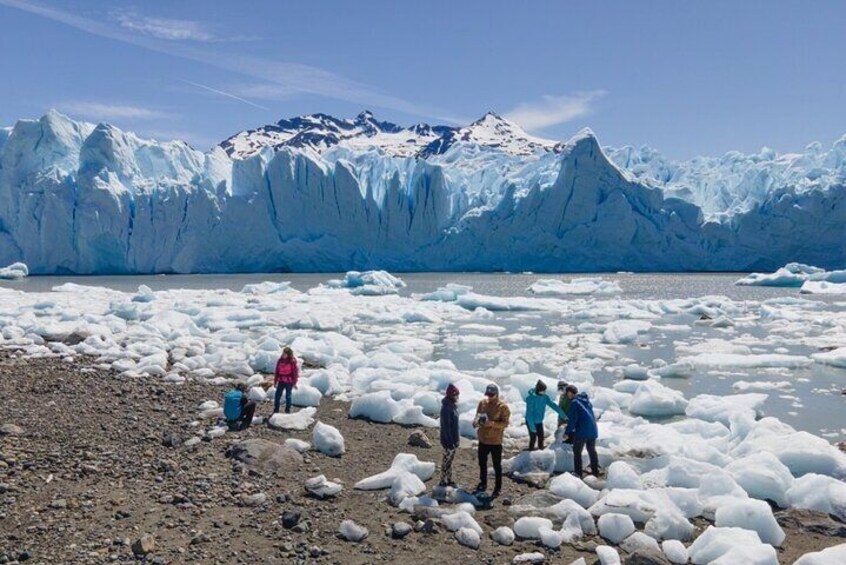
227,94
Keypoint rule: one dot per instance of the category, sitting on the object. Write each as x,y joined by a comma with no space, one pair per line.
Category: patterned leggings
446,468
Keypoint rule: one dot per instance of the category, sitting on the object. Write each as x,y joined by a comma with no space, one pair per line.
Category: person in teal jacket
536,403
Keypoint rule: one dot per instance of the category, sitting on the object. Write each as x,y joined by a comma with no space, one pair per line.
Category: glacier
317,193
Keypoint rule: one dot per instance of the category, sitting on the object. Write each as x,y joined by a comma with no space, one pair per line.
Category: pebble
144,545
290,519
400,529
11,430
419,439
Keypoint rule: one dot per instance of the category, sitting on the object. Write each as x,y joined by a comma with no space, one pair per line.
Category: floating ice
822,287
835,357
653,399
14,271
328,440
555,287
723,408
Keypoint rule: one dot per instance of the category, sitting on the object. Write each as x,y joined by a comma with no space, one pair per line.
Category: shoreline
90,475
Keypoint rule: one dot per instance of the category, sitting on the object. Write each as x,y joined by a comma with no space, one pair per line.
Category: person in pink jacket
287,375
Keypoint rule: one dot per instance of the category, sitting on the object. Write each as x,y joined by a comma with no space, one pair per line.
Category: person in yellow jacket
492,418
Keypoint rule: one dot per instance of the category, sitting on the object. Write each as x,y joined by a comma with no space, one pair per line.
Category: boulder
419,439
265,454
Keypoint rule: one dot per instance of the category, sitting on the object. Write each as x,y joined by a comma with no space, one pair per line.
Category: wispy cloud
288,77
163,28
226,94
101,111
553,110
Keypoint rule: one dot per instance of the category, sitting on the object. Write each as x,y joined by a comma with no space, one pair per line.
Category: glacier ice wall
78,198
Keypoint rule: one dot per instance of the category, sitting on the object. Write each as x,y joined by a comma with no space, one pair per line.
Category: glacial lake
808,398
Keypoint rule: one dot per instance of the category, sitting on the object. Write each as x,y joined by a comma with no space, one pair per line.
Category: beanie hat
491,390
540,386
452,390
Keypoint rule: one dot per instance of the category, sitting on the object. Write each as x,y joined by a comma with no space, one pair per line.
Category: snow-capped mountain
317,193
321,133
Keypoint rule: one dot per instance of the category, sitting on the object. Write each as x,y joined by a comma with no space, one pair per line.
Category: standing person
238,409
449,433
581,427
287,375
492,416
536,403
563,402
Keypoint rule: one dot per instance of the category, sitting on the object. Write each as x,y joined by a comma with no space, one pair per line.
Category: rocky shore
98,469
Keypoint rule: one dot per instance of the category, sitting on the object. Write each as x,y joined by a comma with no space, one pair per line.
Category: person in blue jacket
582,430
238,409
536,403
449,433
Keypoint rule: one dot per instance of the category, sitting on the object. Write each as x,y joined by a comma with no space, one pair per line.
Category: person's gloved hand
568,439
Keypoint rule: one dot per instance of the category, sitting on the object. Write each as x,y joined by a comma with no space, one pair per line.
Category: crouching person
238,409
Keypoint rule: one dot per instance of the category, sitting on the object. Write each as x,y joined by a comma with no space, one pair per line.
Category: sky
686,78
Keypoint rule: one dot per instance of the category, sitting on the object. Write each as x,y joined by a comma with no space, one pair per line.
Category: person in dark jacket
238,409
563,402
449,433
582,429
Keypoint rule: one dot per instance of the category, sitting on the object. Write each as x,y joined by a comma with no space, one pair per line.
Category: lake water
813,402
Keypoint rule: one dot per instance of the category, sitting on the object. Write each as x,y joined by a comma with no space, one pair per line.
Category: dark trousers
495,452
536,434
578,444
280,388
248,410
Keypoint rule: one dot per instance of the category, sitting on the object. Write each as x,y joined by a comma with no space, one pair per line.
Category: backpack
232,405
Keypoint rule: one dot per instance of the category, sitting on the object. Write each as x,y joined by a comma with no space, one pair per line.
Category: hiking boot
495,493
480,489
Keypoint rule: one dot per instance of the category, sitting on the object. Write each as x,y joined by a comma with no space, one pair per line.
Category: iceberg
318,193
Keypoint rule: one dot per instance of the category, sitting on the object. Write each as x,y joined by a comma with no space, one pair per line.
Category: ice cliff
317,193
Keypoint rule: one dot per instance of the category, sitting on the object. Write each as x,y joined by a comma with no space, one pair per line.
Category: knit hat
540,386
491,390
562,385
452,390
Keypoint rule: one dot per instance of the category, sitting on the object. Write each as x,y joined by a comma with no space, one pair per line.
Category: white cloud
163,28
103,111
553,110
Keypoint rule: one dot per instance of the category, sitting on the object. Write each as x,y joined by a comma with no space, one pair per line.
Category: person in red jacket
287,375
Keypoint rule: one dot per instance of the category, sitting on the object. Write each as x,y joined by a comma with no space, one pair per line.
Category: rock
265,454
11,430
252,500
646,557
842,446
201,537
468,537
192,441
585,546
351,531
144,545
419,439
812,522
429,526
171,440
25,555
400,529
290,519
58,504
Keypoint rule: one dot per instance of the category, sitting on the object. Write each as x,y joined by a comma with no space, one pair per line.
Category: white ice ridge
320,194
812,280
671,456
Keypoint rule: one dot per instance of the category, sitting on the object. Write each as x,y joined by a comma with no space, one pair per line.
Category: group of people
238,409
574,409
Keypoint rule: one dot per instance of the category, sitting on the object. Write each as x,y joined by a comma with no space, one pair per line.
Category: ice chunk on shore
555,287
615,527
460,519
730,546
762,476
402,463
468,537
528,527
622,475
328,440
818,492
568,486
351,531
299,420
405,485
755,515
607,555
375,406
675,551
828,556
